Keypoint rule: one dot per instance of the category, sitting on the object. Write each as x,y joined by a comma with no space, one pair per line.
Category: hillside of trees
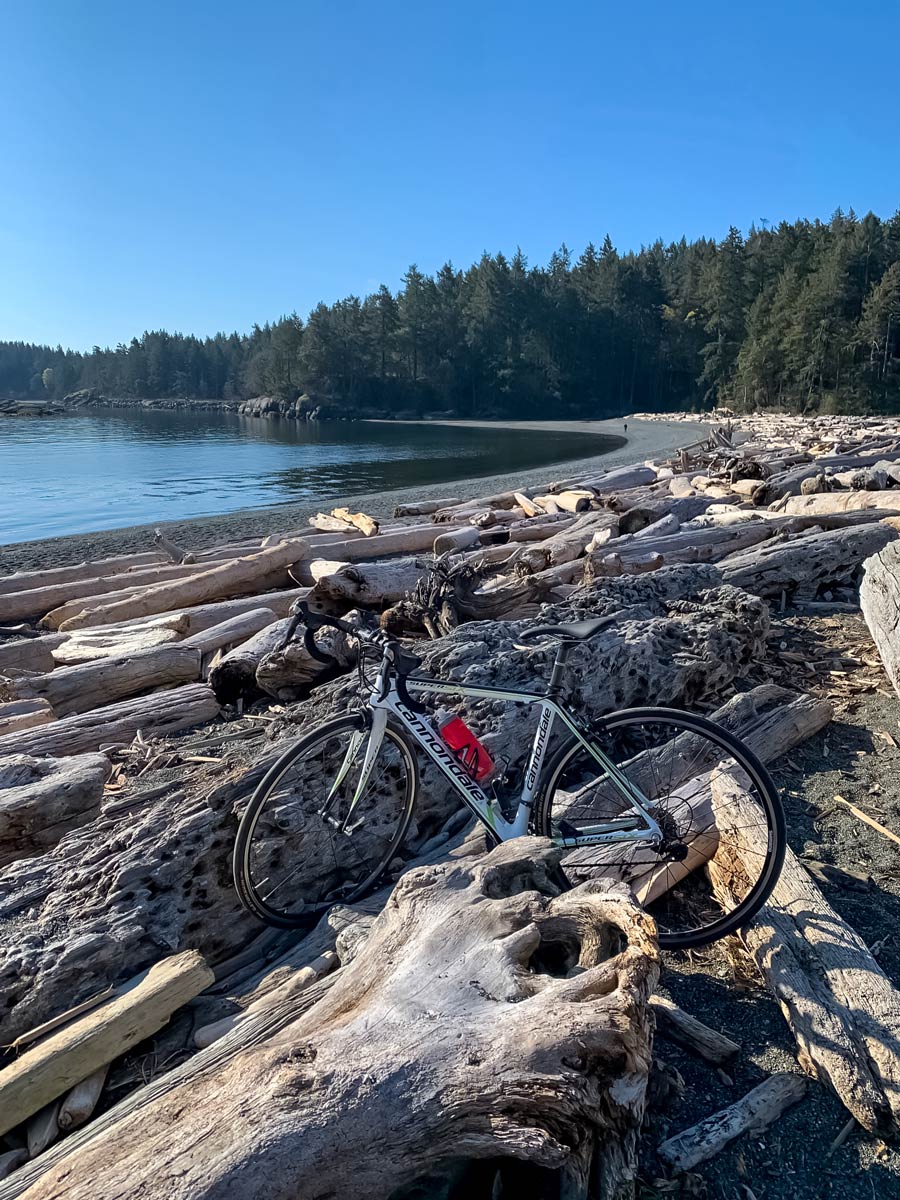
802,316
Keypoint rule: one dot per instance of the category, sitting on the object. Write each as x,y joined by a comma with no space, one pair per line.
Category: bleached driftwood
688,1032
234,675
29,654
22,714
751,1114
90,685
357,520
496,922
63,1059
805,564
42,798
236,577
841,1008
160,713
566,545
372,585
424,508
879,599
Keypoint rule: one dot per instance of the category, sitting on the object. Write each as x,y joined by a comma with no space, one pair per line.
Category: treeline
805,315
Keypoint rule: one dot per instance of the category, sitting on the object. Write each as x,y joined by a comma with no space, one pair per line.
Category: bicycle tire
248,892
756,897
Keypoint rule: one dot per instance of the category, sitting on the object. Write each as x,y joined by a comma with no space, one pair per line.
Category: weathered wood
841,1008
424,508
22,714
86,686
289,673
879,599
574,501
234,675
568,544
35,603
176,553
805,564
88,645
457,539
160,713
837,502
80,1103
233,578
42,798
141,1007
330,524
29,654
231,632
751,1114
42,1129
357,520
495,922
297,982
686,1031
26,581
371,585
412,539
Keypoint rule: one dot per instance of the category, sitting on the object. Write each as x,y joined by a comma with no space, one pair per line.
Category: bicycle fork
376,737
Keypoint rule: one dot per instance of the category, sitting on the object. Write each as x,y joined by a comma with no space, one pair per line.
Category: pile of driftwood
489,1021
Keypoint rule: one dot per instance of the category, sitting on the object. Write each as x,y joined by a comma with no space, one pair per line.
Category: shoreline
643,440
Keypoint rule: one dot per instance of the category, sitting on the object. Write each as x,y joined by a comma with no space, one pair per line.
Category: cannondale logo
538,753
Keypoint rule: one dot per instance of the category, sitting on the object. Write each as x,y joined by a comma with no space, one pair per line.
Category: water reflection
103,470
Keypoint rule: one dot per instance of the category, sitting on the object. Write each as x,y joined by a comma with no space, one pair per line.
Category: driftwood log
22,714
43,798
841,1008
160,874
879,599
160,713
804,565
236,577
541,1056
90,685
48,1069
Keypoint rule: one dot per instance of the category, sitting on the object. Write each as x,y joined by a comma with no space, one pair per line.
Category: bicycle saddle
575,631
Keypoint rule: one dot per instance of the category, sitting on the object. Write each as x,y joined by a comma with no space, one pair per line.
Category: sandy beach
643,439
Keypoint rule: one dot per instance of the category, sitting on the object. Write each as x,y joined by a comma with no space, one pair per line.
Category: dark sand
644,439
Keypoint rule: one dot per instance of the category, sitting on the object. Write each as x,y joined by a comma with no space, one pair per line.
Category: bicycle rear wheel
713,870
301,845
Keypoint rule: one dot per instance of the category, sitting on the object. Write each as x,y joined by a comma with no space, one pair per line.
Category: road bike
641,796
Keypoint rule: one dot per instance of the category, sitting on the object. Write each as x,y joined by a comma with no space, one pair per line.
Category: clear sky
205,164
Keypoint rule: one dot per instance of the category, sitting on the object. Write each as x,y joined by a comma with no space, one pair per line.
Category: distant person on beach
625,427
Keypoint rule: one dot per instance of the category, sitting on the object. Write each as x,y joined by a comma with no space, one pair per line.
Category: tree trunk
234,675
805,564
879,599
371,585
158,714
29,654
533,987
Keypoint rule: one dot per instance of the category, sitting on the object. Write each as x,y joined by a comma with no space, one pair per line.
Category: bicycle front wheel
722,837
302,844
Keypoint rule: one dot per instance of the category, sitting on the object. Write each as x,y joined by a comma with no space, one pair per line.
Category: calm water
124,467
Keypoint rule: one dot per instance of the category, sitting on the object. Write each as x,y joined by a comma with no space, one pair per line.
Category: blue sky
203,165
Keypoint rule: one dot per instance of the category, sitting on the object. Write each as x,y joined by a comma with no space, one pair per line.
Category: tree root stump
488,1020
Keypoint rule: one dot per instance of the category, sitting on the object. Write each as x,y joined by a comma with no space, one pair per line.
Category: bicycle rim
302,844
714,868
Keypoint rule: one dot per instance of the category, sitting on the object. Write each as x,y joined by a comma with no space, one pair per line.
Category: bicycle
600,794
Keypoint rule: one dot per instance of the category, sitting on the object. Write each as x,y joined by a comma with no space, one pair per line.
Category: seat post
559,667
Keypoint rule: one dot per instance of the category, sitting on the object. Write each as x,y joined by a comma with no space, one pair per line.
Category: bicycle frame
385,700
